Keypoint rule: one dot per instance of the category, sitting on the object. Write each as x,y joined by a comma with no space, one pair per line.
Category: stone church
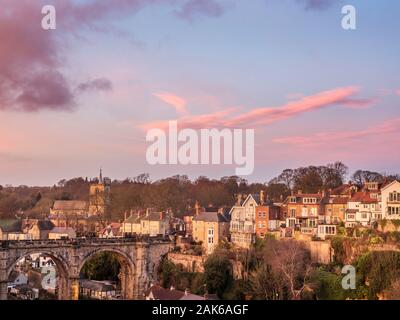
86,217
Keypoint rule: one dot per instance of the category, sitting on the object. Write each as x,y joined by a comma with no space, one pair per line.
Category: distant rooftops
211,217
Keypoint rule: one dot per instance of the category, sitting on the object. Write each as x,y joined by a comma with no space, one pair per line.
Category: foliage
383,224
102,266
378,269
217,272
338,248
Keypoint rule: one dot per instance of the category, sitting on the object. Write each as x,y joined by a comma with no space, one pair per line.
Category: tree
290,268
217,272
361,176
102,266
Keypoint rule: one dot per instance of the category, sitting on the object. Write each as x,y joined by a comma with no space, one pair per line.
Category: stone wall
189,262
321,251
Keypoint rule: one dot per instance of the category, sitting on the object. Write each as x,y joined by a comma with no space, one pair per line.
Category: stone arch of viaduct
138,260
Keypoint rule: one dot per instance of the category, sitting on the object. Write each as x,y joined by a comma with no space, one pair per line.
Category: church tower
99,196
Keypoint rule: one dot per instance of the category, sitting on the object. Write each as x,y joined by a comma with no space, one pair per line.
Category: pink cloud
398,92
268,115
387,129
173,100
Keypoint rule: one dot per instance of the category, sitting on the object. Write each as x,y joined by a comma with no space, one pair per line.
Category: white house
17,279
391,200
362,209
326,230
242,227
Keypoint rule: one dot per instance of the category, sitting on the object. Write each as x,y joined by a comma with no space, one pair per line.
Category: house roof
70,205
99,286
211,217
191,296
152,216
14,275
338,200
160,293
11,225
63,230
390,184
45,225
343,189
363,197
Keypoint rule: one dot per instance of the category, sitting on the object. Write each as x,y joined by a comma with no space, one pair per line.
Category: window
210,236
364,216
292,199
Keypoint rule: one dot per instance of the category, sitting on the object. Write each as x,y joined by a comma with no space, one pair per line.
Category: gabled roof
256,198
160,293
390,184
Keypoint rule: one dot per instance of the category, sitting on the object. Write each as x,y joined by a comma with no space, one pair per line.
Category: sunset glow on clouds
177,102
263,116
83,96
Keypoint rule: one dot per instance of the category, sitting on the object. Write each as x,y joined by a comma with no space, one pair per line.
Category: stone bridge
139,259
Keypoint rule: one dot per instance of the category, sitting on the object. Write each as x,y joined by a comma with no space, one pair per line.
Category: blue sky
220,55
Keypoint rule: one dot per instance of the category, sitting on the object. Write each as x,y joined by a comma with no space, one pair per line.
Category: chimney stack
161,215
262,197
197,207
239,199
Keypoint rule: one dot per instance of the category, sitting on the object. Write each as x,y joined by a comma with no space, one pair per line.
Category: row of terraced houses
316,215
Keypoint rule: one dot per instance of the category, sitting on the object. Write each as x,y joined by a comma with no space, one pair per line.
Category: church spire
101,176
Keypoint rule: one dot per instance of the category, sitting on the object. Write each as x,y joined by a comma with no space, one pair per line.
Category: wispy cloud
317,4
389,128
99,84
268,115
173,100
193,9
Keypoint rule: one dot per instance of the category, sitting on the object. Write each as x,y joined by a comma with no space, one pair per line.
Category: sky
83,96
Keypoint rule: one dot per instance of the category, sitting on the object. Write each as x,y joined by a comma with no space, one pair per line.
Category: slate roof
45,225
11,225
160,293
211,217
